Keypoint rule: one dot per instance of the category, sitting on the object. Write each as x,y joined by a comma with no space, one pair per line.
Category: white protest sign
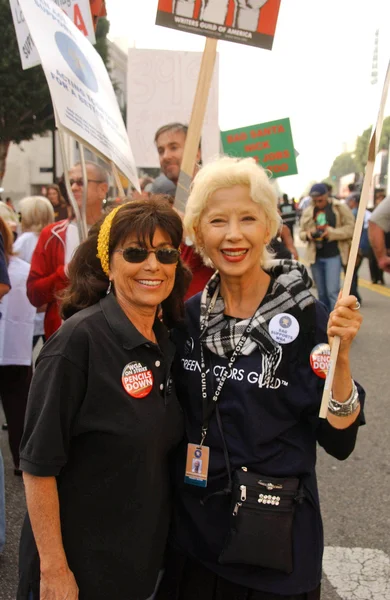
79,11
161,90
82,93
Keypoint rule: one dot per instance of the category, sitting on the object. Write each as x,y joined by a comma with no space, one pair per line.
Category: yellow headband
104,239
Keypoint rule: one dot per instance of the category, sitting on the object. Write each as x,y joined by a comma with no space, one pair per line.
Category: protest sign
271,144
78,11
85,103
161,89
251,23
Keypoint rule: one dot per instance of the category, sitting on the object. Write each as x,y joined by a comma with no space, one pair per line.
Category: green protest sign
271,144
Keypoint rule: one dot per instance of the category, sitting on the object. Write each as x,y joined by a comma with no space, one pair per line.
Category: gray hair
101,172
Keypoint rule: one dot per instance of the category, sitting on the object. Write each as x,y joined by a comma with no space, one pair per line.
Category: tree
361,149
342,165
363,141
102,29
25,104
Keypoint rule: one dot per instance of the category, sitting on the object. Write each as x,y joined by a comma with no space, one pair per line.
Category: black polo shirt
102,417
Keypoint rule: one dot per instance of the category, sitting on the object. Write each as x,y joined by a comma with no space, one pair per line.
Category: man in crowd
57,243
170,141
327,225
288,213
378,228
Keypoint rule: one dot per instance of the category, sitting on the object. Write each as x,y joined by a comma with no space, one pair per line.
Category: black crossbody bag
263,507
261,521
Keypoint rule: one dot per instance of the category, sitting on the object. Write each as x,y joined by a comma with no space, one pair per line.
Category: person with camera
327,226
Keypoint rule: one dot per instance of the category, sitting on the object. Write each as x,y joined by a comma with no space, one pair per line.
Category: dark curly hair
89,283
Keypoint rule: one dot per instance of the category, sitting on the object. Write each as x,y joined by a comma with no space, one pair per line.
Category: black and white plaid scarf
290,285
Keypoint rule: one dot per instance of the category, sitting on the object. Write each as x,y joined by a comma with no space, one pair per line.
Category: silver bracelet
347,408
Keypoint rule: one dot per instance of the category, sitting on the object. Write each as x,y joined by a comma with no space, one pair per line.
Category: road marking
358,573
374,287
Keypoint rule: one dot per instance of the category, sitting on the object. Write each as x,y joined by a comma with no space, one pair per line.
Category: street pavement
355,496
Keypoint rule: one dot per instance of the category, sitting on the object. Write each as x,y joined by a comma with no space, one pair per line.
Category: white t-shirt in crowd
72,240
17,317
24,246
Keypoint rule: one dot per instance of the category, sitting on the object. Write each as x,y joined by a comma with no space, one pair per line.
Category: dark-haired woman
103,417
61,209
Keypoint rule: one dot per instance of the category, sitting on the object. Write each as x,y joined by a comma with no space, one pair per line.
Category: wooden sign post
372,152
196,123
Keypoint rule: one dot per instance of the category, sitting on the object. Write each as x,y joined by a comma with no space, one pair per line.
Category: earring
109,288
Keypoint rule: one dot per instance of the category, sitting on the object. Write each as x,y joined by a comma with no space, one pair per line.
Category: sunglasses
80,181
165,256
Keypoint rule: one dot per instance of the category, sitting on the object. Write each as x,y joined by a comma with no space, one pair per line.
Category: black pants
186,579
375,272
14,386
36,339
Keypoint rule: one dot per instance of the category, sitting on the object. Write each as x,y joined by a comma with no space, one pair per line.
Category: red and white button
320,359
137,379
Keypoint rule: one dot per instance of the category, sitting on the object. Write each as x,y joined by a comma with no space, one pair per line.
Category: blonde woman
36,213
248,525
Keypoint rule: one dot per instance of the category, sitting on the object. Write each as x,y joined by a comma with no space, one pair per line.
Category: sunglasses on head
165,256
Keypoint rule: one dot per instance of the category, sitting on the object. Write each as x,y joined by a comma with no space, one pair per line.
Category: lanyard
208,409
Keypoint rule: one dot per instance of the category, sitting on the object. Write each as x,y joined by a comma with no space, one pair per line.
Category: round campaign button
137,379
319,360
283,328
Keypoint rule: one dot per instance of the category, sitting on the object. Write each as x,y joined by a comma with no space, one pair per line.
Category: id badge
197,465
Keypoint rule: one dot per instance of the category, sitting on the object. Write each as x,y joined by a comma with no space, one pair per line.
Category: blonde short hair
226,172
37,212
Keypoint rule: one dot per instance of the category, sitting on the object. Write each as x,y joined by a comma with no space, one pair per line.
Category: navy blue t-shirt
270,430
3,264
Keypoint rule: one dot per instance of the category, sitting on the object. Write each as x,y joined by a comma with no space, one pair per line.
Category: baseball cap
163,185
318,189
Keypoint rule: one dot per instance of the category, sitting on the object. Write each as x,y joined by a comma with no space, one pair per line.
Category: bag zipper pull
235,510
243,492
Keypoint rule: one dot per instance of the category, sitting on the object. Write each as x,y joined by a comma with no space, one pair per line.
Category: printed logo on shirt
252,377
137,379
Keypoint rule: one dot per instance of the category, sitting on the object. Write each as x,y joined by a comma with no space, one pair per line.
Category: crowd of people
168,448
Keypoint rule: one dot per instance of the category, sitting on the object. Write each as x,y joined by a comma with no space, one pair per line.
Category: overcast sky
318,73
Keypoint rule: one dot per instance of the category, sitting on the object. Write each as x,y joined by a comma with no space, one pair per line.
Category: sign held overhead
78,11
252,23
83,97
271,144
161,90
